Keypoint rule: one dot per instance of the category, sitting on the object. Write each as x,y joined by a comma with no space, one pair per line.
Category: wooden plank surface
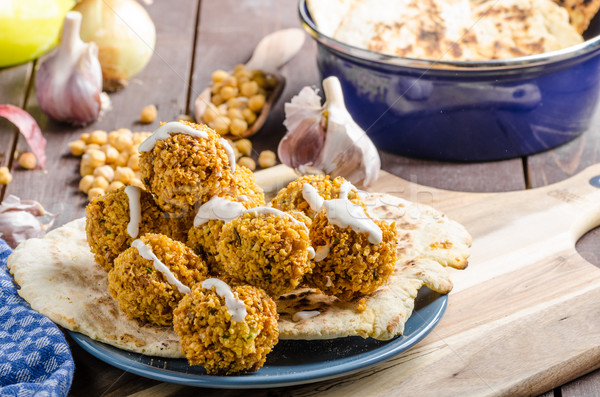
13,81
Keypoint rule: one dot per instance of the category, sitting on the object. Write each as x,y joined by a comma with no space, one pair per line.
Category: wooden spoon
271,53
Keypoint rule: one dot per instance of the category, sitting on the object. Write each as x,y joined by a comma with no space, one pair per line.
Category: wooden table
194,38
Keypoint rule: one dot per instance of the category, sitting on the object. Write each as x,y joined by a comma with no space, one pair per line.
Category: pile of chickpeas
236,99
110,160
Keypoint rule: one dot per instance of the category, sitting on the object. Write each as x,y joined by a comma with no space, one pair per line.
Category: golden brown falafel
211,338
265,250
107,218
247,190
184,171
290,198
143,291
347,265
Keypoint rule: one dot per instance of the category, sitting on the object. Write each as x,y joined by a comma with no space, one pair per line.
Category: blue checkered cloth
35,359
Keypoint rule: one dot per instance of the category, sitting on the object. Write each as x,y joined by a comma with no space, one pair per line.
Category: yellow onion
125,36
29,28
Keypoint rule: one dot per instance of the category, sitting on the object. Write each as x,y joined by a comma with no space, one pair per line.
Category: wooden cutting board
523,318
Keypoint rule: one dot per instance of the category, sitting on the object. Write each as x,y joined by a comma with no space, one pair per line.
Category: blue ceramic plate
292,362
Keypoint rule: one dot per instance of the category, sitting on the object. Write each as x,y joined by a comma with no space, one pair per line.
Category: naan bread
581,12
450,30
59,278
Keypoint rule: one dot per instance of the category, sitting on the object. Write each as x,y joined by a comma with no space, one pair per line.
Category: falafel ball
183,171
352,267
247,190
267,251
107,218
212,338
290,198
142,290
204,240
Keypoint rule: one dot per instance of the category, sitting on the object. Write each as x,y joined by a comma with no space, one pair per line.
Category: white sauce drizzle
344,213
243,198
230,153
322,252
175,127
235,307
329,283
305,315
146,253
163,132
311,253
345,189
312,197
276,212
135,210
218,208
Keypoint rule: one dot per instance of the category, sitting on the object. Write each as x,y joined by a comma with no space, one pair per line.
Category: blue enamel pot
465,111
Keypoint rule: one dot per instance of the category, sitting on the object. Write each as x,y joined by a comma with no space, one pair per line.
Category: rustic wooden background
194,38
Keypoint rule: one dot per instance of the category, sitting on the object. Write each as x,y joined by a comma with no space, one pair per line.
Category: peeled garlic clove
326,138
69,83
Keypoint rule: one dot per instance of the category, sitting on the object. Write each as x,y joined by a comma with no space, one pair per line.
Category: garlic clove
326,138
22,219
69,83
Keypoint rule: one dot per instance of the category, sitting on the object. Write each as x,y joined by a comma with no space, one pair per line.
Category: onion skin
125,35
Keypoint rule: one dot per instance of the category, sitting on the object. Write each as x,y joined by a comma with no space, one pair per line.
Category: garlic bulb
69,83
326,139
124,33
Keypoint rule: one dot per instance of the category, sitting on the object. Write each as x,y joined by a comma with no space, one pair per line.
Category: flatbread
59,278
450,30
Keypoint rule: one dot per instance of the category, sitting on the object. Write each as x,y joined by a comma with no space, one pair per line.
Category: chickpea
267,159
230,81
100,182
85,137
92,146
124,142
5,176
247,162
217,99
94,157
111,153
122,160
137,182
98,137
112,137
234,113
86,183
27,160
221,125
124,174
219,75
85,168
77,147
256,102
228,92
210,114
271,82
238,127
106,172
236,103
148,114
244,146
249,115
239,68
250,88
95,192
185,117
134,161
114,186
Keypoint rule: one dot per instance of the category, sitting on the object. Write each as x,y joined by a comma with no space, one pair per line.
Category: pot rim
546,58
